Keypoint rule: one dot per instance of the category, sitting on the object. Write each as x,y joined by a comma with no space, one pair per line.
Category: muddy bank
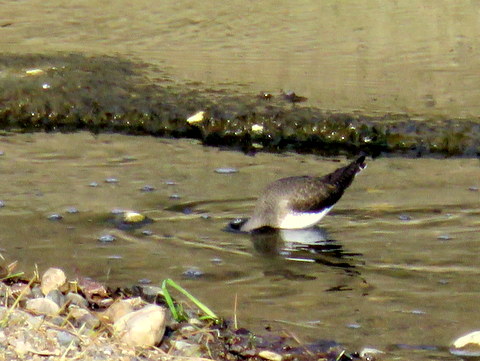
106,94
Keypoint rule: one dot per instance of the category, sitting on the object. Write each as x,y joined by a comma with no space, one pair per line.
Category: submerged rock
193,273
55,217
107,238
404,217
226,170
133,217
129,220
147,188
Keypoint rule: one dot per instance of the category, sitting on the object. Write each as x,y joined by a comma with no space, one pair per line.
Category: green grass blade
12,275
169,301
208,312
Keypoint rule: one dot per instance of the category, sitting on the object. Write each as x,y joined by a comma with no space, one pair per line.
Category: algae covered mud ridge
68,92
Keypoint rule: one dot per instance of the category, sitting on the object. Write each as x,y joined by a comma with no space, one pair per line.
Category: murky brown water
390,277
417,57
399,283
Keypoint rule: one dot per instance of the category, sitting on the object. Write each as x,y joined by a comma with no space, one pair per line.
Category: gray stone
185,349
83,317
35,321
37,292
57,297
3,339
58,321
151,291
42,305
66,339
76,299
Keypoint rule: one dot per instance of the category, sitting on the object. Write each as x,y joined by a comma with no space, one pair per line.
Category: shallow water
401,266
414,57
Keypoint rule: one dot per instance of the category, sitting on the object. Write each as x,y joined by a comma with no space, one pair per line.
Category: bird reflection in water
302,245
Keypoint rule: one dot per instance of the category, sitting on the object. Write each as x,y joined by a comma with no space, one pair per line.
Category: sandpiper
301,202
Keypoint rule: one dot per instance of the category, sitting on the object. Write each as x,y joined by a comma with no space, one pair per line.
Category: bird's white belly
298,220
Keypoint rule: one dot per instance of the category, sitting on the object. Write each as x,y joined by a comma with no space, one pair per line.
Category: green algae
69,92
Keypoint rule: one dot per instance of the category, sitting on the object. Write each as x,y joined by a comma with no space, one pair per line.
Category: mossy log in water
106,94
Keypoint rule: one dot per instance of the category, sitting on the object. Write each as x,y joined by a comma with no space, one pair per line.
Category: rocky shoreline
51,318
69,92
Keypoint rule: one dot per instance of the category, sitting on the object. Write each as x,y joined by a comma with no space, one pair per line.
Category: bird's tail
343,177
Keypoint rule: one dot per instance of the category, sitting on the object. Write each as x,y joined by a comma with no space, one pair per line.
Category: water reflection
311,245
405,273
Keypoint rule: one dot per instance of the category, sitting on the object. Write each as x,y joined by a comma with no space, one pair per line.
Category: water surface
414,57
401,266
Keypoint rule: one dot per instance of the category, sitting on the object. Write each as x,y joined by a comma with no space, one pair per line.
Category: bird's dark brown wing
315,194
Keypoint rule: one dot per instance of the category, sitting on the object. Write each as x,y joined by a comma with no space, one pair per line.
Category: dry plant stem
235,312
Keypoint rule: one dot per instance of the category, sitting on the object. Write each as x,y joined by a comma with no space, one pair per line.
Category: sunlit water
418,57
400,266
